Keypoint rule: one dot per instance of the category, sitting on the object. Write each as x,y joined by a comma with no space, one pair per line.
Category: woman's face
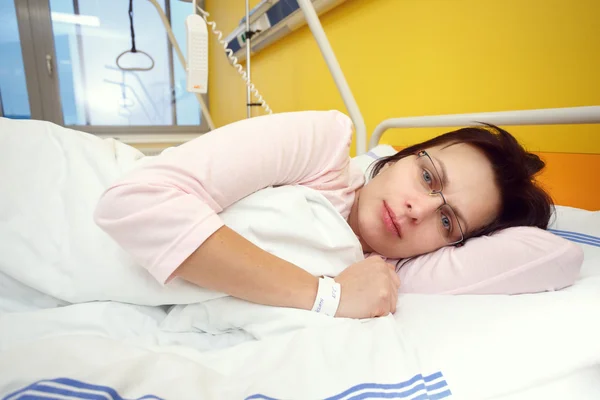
396,216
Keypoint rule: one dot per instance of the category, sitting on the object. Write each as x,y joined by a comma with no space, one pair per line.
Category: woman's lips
389,220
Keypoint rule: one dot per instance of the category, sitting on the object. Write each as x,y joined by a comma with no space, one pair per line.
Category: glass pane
14,99
89,36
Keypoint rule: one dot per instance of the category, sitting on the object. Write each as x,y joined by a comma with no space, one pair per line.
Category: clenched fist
369,289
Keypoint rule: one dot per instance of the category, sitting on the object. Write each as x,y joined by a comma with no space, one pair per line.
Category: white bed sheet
580,385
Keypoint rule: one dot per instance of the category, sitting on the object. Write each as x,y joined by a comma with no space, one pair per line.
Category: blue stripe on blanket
71,388
577,237
419,387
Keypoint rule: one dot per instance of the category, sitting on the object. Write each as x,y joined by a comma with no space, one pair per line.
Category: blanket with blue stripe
419,387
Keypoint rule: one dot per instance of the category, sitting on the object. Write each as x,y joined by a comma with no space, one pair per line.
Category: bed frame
548,116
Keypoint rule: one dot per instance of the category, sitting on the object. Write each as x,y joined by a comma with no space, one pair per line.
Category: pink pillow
512,261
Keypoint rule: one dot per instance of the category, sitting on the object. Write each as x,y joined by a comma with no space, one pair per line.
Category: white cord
234,60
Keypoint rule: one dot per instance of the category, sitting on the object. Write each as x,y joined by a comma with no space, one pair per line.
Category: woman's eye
446,223
427,177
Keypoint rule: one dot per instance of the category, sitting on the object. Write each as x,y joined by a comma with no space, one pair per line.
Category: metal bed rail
547,116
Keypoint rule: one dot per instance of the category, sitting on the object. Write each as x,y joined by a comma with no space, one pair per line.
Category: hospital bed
78,318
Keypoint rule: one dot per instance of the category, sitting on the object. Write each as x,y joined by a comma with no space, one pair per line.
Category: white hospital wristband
328,297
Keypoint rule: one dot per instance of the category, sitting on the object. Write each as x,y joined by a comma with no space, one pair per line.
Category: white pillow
581,227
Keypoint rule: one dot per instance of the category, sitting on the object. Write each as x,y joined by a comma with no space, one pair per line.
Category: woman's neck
353,215
353,221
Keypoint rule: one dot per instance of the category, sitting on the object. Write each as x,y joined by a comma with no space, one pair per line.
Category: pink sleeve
513,261
163,211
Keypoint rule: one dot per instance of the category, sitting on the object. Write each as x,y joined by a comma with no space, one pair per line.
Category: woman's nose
421,207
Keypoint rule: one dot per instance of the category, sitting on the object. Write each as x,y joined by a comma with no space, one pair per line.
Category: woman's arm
228,263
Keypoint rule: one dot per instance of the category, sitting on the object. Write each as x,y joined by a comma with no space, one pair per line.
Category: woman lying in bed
466,183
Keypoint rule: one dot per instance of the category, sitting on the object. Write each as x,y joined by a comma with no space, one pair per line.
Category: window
14,99
69,66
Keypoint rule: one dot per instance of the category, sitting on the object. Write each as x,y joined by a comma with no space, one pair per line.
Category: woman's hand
369,289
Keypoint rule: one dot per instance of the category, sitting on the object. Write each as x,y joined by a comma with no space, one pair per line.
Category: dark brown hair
523,201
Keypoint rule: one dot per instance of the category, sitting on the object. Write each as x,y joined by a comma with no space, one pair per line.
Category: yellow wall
420,57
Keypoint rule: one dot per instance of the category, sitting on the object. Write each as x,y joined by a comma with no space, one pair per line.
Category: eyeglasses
447,221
